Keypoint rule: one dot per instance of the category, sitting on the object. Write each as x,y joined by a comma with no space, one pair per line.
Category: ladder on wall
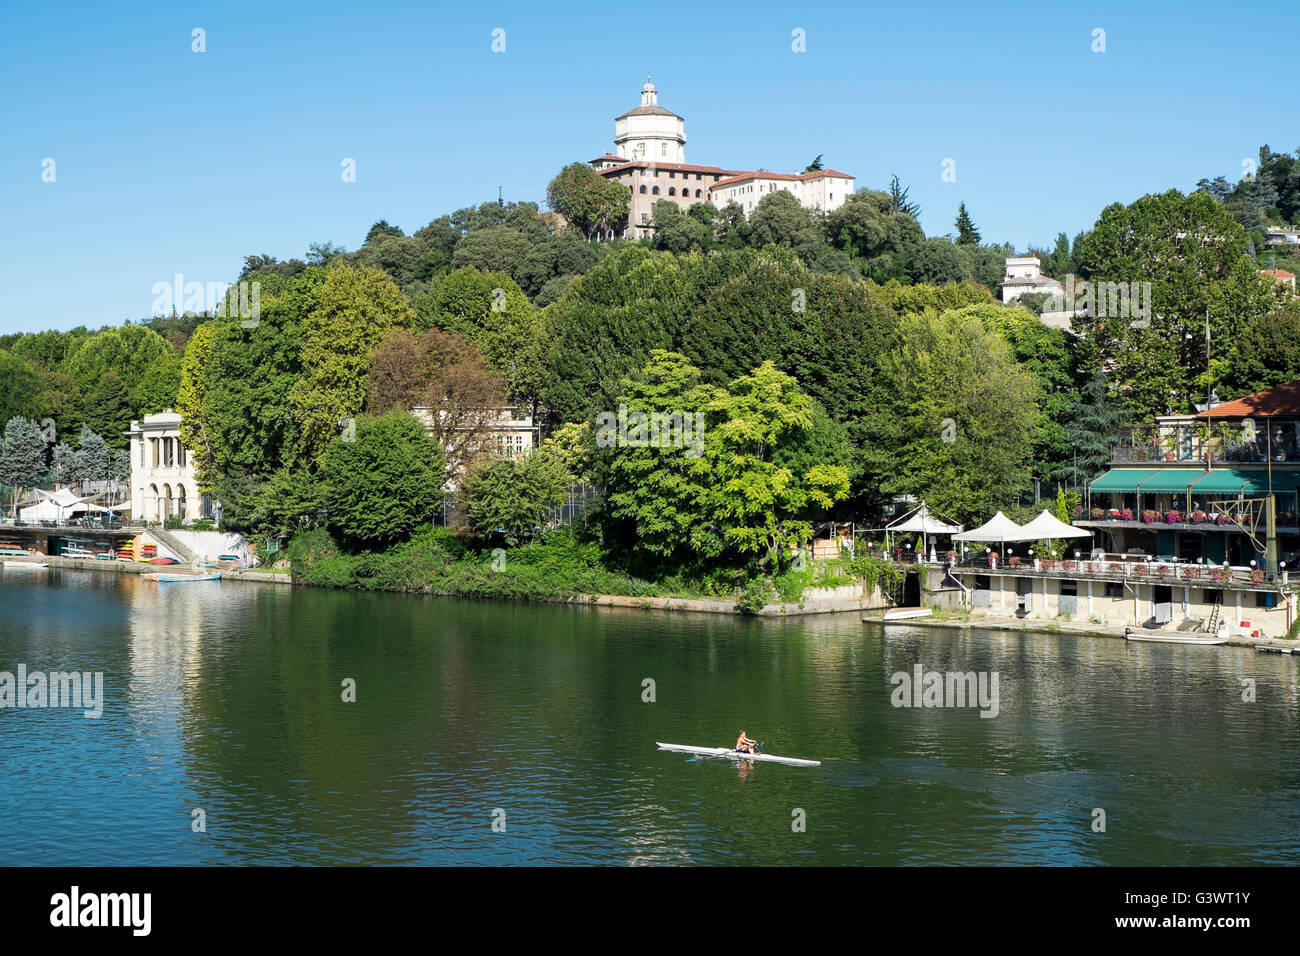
1212,625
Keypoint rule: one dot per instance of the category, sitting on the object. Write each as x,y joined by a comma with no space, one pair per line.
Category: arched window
698,194
672,191
643,188
151,504
655,191
166,503
180,502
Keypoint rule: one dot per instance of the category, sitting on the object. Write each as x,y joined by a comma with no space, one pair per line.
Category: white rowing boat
1172,638
25,565
906,613
737,755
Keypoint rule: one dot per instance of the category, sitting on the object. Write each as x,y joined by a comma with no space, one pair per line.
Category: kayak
737,755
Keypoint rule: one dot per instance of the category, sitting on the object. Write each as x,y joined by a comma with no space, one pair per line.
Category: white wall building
1024,275
1289,236
650,159
163,484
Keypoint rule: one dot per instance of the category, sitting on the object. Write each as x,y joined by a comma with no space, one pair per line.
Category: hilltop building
650,159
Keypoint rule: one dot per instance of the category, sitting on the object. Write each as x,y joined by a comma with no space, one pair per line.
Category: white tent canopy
997,528
54,506
1047,526
920,519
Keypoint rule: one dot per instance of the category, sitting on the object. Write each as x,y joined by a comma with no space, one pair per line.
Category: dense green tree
22,455
250,371
1045,353
588,201
109,409
1193,254
865,227
490,310
960,422
385,482
938,261
777,219
92,461
1266,352
354,309
1093,425
21,384
509,499
677,231
701,475
189,402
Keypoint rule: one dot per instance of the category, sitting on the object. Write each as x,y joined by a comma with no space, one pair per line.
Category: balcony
1131,570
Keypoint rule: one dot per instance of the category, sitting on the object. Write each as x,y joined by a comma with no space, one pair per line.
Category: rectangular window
1212,596
1070,587
1114,589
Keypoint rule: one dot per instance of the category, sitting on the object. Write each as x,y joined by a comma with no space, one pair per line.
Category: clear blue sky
173,161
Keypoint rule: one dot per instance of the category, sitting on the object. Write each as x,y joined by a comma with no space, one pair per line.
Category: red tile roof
1277,273
821,173
768,174
1282,400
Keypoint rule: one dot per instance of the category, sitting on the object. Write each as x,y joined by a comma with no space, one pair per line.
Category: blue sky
169,161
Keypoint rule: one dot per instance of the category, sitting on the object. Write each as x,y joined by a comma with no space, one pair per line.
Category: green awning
1171,479
1122,479
1231,481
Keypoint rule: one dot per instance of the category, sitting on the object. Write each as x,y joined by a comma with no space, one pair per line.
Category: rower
744,745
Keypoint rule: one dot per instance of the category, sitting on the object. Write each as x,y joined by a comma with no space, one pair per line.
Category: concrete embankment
141,567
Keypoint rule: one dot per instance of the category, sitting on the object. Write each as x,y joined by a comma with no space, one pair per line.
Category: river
497,733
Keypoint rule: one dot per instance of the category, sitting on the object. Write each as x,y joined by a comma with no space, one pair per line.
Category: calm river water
227,698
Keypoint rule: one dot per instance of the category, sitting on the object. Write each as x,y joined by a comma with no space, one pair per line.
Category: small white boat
905,613
737,755
179,578
26,565
1132,635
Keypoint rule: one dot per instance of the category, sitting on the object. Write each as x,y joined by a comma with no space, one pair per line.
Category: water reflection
229,697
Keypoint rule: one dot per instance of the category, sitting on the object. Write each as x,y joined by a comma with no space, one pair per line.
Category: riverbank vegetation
718,390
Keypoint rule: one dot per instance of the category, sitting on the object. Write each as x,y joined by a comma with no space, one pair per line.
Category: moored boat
172,577
25,565
1132,635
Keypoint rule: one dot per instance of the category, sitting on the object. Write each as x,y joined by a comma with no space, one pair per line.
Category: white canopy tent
999,529
1047,526
919,519
54,506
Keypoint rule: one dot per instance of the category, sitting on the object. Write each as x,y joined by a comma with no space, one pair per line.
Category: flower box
1174,517
1192,574
1097,514
1049,564
1257,576
1150,517
1199,517
1222,519
1115,568
1163,570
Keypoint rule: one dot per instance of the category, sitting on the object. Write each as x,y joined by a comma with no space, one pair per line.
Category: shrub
755,596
